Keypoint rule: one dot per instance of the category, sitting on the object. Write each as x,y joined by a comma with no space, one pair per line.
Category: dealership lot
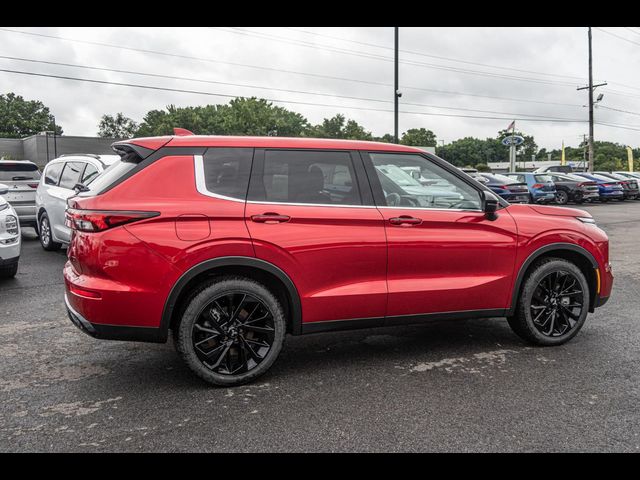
442,386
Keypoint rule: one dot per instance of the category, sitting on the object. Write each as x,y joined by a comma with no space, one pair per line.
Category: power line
280,70
618,110
617,36
411,52
405,62
190,79
196,92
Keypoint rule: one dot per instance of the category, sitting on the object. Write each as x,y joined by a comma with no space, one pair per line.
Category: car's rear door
70,176
444,254
311,213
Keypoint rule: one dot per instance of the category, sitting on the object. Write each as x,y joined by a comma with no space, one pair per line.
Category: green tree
483,167
117,127
241,116
386,138
419,137
21,118
339,127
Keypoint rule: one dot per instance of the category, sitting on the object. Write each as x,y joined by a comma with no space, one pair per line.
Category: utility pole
396,93
55,143
591,87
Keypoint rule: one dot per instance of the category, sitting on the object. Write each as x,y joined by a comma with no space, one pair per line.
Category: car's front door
444,254
311,213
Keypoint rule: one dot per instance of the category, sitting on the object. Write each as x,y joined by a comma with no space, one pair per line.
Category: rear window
18,171
111,175
542,178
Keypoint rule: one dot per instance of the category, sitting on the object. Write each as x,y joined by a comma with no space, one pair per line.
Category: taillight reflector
81,292
99,220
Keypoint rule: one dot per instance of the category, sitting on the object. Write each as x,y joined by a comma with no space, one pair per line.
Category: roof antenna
182,132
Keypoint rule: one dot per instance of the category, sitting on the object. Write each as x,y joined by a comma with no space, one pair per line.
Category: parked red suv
232,242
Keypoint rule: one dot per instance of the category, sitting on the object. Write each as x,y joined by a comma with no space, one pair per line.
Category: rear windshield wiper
15,179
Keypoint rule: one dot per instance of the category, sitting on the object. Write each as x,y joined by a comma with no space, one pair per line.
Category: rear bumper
544,196
614,194
112,332
26,213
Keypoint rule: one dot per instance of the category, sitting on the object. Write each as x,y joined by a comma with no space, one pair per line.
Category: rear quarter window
52,173
227,170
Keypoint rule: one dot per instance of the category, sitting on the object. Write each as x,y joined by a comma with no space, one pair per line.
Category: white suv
9,237
59,178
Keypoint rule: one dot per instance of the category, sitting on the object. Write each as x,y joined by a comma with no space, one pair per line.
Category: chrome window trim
201,185
311,204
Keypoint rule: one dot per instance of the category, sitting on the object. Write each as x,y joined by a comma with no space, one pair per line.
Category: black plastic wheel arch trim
176,290
535,255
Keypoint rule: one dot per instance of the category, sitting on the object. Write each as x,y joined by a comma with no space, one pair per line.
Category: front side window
226,171
71,174
434,187
314,177
52,173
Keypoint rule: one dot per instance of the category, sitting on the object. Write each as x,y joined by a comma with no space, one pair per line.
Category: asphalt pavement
463,386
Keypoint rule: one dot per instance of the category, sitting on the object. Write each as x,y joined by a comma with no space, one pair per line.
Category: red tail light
610,184
503,187
99,220
33,185
538,185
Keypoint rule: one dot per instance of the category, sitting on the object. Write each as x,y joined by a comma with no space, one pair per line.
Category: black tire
9,271
604,200
211,307
44,234
562,197
533,287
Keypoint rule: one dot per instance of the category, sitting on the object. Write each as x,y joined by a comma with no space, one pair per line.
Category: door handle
405,220
270,217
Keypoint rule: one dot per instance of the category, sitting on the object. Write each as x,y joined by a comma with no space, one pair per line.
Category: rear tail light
503,187
99,220
538,185
33,185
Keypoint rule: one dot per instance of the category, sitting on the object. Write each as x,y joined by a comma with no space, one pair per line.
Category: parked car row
561,187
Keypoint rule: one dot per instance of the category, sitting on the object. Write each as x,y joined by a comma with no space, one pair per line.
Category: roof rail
93,155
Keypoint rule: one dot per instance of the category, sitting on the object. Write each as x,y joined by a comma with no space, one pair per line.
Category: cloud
560,53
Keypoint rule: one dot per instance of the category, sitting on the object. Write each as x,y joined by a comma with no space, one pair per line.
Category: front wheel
553,303
231,332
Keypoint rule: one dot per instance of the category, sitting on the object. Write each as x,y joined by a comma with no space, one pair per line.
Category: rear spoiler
138,149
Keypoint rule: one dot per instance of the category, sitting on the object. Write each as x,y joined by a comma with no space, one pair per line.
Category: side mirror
490,205
3,189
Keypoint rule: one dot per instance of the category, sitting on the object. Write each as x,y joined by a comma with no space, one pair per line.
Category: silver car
21,177
60,178
10,241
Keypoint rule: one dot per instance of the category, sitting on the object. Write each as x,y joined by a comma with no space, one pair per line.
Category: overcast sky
549,64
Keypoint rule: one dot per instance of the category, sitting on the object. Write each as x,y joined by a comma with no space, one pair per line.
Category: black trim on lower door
354,324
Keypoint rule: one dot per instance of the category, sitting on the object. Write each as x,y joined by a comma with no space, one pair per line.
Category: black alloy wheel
231,331
553,303
557,303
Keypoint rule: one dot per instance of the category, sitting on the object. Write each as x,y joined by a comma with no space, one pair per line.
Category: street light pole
55,143
396,93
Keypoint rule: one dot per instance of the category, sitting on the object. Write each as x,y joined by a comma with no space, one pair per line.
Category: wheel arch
273,278
575,254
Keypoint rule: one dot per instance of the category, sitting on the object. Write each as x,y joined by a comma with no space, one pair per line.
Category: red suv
232,242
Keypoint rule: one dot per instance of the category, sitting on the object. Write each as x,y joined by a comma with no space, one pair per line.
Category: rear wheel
231,332
562,197
44,233
553,303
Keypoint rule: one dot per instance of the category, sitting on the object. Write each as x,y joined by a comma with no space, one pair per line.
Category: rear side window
18,171
71,174
111,175
313,177
542,178
90,173
52,173
227,170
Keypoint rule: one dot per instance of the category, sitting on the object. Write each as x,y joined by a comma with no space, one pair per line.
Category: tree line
256,116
